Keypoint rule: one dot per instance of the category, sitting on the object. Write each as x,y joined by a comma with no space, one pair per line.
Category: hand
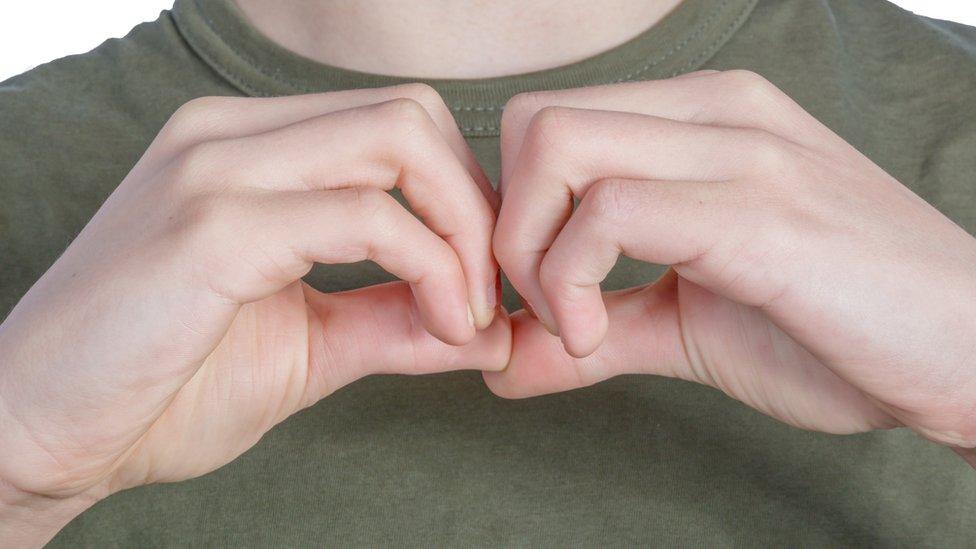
175,330
804,280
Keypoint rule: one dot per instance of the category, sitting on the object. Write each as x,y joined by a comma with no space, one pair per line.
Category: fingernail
470,316
549,322
491,296
486,304
495,291
549,328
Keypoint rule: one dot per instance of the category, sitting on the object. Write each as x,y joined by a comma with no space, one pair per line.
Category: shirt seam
240,82
706,52
243,83
691,36
700,30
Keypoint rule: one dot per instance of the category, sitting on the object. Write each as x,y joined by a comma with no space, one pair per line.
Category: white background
36,31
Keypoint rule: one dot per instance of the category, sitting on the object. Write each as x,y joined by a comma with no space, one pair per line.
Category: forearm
31,520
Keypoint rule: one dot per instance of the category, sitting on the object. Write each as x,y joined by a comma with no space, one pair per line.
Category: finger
385,145
568,149
650,335
215,118
539,365
695,74
283,233
737,98
374,330
664,222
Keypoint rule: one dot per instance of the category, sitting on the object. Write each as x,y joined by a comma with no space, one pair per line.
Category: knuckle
404,119
503,248
760,266
407,111
197,164
751,90
435,110
522,106
370,203
551,274
209,216
195,114
550,124
768,154
548,137
215,225
476,224
419,91
446,263
744,79
423,94
608,201
379,210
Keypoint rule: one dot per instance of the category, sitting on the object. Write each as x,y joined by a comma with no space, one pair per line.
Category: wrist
31,520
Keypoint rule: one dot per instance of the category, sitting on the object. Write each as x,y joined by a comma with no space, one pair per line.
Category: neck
452,38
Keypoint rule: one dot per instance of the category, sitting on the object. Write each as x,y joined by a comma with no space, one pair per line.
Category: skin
212,231
793,259
804,281
452,38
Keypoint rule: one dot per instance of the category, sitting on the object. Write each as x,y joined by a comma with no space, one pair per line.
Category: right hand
175,330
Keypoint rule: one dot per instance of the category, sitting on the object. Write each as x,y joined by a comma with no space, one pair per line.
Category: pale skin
793,260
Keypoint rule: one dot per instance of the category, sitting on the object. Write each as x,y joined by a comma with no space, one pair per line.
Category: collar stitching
483,108
675,49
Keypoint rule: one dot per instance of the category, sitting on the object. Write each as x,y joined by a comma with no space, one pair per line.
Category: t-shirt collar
681,42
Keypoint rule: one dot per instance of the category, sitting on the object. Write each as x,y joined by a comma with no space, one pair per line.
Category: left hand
804,281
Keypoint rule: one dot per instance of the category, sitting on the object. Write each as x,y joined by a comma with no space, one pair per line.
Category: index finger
568,150
386,145
737,98
213,118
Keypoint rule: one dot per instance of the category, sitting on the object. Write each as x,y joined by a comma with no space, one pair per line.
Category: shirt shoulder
123,89
71,129
873,45
909,81
895,85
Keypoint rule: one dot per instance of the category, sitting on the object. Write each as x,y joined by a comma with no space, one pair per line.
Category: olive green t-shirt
439,460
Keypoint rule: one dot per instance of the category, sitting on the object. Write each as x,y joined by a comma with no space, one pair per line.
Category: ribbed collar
220,33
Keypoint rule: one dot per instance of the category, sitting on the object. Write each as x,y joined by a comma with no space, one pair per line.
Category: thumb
648,315
378,330
738,351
